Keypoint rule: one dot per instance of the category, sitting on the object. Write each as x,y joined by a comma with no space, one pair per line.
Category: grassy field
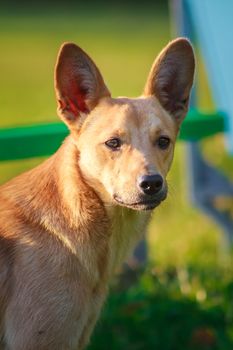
183,299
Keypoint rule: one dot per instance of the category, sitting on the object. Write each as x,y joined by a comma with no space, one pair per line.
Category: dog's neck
55,196
80,203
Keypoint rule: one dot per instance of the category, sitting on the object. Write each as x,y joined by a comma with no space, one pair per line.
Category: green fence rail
44,139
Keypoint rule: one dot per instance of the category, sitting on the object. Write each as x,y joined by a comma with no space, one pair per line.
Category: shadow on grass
155,314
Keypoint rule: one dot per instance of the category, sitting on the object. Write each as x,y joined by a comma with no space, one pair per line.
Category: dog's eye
114,143
163,142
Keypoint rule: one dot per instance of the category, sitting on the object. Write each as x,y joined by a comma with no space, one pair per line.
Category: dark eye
113,143
163,142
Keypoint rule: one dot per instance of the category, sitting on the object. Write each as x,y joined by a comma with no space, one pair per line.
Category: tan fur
63,231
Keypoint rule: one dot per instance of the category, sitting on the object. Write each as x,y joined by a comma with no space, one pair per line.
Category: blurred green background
183,297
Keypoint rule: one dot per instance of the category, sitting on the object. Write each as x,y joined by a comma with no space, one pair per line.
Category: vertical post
205,182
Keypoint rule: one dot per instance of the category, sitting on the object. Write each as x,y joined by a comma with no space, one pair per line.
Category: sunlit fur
68,224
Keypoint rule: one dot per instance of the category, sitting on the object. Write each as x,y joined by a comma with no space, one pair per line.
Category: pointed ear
171,78
78,84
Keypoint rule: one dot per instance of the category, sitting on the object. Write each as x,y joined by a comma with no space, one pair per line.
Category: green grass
183,300
171,309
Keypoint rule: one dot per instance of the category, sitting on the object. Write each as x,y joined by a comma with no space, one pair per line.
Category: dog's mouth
148,204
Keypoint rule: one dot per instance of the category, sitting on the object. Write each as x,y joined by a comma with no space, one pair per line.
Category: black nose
150,184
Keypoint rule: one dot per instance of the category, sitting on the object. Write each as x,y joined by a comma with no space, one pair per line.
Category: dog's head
126,145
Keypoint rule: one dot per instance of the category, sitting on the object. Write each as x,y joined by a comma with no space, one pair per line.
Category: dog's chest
128,227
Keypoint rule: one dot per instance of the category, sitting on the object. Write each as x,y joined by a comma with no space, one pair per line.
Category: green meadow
183,298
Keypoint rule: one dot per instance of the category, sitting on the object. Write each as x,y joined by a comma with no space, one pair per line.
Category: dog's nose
150,184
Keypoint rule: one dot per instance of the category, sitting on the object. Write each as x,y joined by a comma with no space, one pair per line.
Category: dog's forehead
137,112
129,116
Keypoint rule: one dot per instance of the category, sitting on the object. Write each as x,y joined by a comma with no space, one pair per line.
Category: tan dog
66,225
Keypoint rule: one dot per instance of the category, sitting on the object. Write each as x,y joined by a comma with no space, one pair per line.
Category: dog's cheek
108,170
124,170
88,163
93,162
168,159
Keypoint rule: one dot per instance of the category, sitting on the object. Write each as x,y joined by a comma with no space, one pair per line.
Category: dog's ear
171,78
78,84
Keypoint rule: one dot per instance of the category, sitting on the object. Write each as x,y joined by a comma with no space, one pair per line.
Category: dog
68,224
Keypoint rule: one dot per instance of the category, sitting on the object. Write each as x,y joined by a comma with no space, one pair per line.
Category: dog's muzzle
144,202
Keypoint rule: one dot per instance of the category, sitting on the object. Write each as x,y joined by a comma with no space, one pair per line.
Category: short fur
66,225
